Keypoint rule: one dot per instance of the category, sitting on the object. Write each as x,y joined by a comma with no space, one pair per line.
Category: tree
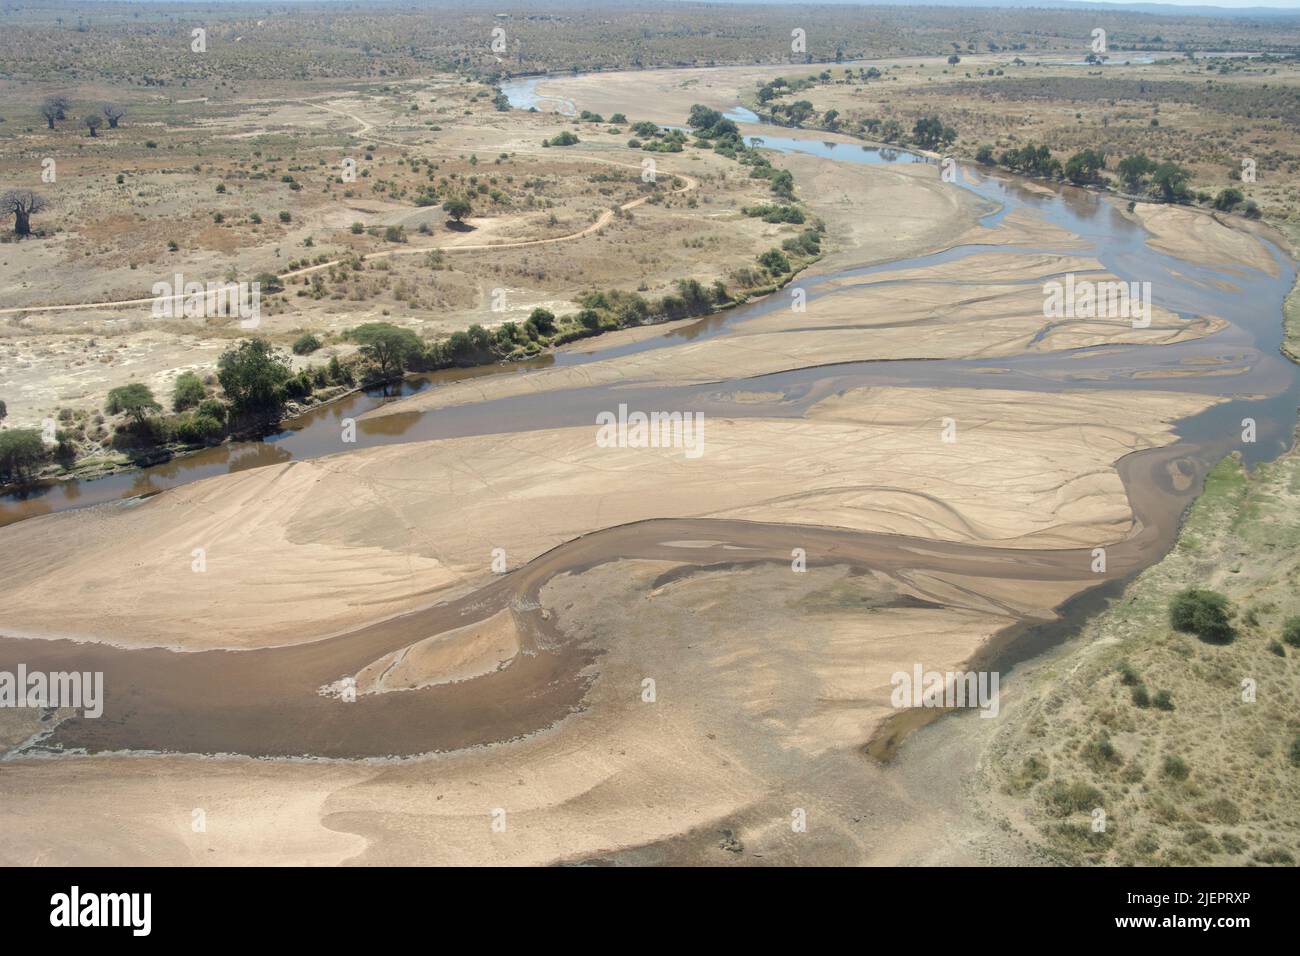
54,108
387,345
954,59
135,400
703,118
92,122
1203,613
928,131
22,452
253,376
1171,181
457,208
112,112
984,155
1134,170
22,204
798,111
1085,166
187,392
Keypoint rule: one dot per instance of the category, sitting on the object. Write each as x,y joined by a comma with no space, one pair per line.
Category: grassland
1206,775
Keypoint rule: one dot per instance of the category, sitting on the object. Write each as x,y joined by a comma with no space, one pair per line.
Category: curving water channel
265,703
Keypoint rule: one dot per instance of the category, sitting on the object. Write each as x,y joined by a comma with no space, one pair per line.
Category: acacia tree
54,108
22,204
135,399
112,112
457,208
92,123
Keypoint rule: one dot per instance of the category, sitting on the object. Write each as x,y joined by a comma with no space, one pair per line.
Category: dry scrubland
251,186
1207,778
119,42
1205,113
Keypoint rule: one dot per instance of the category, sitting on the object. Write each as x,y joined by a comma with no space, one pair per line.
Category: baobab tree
54,108
112,112
92,122
22,204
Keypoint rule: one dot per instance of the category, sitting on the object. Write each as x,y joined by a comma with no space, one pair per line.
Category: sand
1203,237
314,548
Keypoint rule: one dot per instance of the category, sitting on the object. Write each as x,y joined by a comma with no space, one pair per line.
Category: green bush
187,392
775,262
212,408
305,344
199,429
1175,768
1291,631
1203,613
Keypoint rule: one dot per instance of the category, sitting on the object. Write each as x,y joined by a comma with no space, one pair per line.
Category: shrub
305,344
1174,767
212,408
543,320
1163,700
1291,631
775,262
1100,754
199,429
1064,798
1203,613
187,392
1140,696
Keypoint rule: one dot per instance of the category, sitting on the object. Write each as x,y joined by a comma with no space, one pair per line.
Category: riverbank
1111,730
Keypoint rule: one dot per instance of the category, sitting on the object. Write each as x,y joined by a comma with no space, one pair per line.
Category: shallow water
1266,388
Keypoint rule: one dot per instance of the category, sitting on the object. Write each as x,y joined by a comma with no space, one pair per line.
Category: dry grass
1209,778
